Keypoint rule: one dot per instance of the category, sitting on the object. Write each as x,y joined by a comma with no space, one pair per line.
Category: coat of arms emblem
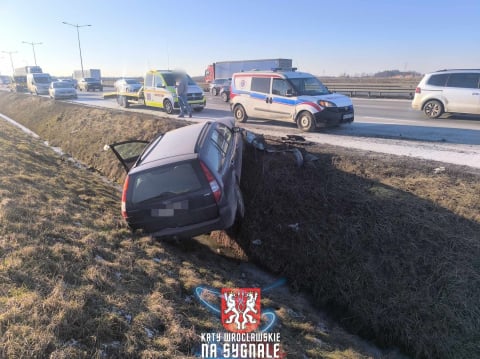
240,309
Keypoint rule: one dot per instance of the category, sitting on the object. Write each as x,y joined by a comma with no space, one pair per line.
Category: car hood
338,99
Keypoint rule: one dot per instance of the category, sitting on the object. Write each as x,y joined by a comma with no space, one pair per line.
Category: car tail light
418,90
124,197
217,192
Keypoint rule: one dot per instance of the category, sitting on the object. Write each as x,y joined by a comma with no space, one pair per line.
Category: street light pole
11,61
78,36
33,47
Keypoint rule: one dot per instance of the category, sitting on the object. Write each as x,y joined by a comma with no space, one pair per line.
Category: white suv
454,91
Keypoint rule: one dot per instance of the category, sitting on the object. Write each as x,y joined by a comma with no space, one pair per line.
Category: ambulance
288,95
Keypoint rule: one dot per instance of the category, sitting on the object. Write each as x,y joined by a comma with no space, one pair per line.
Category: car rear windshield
164,182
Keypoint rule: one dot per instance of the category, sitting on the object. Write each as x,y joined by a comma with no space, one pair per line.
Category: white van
38,84
293,96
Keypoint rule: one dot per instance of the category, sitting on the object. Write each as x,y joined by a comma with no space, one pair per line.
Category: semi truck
24,70
225,69
159,91
93,73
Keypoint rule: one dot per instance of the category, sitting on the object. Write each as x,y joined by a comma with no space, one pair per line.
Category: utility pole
33,47
78,36
11,61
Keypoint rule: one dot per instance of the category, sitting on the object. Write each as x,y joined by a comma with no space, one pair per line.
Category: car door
462,93
128,152
260,97
223,154
282,105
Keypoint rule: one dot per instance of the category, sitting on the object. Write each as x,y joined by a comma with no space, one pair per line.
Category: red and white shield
240,309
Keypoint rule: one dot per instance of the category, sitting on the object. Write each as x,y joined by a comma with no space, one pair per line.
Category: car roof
455,71
287,74
177,143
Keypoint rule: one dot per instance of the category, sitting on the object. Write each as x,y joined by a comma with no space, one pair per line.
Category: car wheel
167,105
225,97
240,114
214,91
305,121
433,109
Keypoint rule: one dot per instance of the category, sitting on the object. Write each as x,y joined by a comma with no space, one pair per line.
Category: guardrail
371,90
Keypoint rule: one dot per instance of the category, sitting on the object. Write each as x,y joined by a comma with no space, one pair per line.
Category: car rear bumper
191,230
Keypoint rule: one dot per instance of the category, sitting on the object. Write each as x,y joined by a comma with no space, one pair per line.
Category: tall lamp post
33,47
11,61
78,36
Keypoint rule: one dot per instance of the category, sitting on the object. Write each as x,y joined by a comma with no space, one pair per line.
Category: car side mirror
289,93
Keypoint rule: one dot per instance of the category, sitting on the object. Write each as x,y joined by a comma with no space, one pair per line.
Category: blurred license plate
347,116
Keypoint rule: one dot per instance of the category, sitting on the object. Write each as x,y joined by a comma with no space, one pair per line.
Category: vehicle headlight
324,103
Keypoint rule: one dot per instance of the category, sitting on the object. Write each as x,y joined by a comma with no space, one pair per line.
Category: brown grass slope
75,283
391,246
383,240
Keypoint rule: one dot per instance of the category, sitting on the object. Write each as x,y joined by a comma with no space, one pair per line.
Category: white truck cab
288,96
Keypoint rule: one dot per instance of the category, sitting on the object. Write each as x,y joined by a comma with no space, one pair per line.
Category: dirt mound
389,244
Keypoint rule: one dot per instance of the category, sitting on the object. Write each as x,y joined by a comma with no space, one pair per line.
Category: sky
325,38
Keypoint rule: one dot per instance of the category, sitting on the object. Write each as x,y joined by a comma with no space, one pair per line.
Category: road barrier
372,89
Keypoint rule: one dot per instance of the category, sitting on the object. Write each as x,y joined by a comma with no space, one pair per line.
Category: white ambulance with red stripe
292,96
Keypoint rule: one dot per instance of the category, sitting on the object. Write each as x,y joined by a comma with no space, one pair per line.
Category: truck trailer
225,69
94,73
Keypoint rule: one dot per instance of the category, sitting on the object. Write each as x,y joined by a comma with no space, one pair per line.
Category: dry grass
390,246
75,283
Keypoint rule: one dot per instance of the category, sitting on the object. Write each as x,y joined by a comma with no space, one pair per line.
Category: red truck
225,69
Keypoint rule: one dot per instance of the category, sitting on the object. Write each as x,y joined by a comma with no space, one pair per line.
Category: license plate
347,116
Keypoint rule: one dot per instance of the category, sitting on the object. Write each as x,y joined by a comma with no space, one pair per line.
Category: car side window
218,146
159,81
261,84
438,80
463,80
280,87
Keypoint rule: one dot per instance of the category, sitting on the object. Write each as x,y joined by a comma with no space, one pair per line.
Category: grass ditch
388,244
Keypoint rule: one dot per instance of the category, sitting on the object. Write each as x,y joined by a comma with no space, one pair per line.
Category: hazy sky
322,37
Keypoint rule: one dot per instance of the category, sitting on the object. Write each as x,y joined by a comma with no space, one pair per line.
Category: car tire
214,91
240,114
305,121
225,97
167,105
433,109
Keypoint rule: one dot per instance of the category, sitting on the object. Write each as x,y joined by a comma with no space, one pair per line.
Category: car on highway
216,85
19,84
225,93
127,85
185,182
71,82
288,95
61,89
448,91
89,84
